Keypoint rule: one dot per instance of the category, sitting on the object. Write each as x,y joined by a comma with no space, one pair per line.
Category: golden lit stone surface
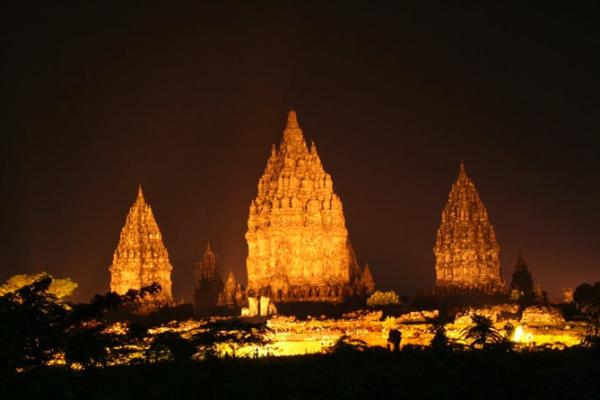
298,247
291,336
233,293
141,258
466,250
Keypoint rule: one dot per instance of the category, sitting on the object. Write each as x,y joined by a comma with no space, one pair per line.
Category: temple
522,282
233,294
208,282
466,250
141,257
298,246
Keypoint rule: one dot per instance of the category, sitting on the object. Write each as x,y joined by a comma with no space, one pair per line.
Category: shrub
379,299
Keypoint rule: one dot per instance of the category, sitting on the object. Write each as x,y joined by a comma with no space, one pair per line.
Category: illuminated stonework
366,283
298,247
141,258
233,294
208,282
466,250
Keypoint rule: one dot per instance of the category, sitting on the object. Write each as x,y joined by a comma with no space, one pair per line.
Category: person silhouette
393,341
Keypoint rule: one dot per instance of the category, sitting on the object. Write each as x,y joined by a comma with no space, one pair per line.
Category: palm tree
481,333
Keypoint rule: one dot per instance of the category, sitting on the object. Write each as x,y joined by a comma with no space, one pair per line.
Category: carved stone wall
466,250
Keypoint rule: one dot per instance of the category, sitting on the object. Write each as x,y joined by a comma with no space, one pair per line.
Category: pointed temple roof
461,170
209,256
297,212
466,250
292,120
521,264
206,270
230,283
521,277
141,257
367,279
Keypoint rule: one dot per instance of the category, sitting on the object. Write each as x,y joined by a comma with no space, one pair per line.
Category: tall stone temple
208,282
466,250
141,258
298,246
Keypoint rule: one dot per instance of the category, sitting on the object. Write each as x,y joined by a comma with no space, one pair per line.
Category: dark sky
188,100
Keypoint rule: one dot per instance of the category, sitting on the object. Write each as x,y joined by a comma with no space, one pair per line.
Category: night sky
188,100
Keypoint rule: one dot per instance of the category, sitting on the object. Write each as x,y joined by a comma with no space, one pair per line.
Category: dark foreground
571,374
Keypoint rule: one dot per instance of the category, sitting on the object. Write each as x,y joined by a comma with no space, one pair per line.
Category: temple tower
298,247
466,250
208,282
141,257
522,281
233,294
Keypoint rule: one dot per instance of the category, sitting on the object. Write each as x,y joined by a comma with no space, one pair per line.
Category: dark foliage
569,311
587,294
481,333
587,298
232,333
346,344
170,346
372,374
87,347
36,327
33,324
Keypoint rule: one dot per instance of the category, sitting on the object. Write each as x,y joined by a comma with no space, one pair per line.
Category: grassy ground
571,374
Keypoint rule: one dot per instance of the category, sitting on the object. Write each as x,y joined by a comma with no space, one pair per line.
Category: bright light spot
518,335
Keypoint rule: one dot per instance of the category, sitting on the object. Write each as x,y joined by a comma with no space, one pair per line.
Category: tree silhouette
33,323
346,344
170,346
481,333
37,326
587,298
87,347
232,335
59,287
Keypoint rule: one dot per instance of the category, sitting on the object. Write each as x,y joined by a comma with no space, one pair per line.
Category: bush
379,299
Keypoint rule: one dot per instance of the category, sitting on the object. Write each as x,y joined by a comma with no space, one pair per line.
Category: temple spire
462,171
521,264
292,134
292,120
208,282
522,281
140,196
